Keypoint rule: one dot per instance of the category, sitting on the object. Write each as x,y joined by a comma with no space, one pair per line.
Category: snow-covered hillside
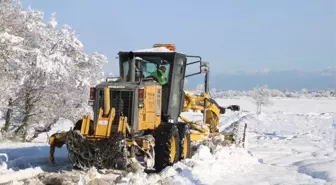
291,142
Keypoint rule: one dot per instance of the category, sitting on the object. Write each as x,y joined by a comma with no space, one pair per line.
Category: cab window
148,68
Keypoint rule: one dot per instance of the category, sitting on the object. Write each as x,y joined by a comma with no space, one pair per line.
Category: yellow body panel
104,125
197,136
85,125
150,114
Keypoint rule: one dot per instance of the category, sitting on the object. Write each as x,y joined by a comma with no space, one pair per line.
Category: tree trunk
258,108
22,128
8,116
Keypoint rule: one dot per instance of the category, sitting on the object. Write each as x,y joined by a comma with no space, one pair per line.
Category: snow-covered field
292,142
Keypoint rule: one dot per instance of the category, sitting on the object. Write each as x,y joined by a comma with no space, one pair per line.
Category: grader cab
137,118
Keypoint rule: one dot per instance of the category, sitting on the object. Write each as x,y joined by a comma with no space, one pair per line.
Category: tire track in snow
27,160
334,134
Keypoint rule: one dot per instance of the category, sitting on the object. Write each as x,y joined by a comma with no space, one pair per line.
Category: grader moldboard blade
236,138
102,153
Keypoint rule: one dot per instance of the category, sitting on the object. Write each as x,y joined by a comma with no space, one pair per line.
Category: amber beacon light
171,47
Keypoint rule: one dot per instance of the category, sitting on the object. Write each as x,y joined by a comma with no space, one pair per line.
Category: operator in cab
159,74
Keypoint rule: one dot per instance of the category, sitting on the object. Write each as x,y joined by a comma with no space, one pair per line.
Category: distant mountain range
289,79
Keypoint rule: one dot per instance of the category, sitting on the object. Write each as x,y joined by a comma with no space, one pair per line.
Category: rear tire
167,146
185,141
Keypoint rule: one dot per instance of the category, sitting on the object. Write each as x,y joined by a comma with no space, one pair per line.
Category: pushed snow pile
227,121
223,161
92,175
12,176
207,166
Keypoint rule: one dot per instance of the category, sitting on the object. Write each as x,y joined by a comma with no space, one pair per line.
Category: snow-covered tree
261,96
45,73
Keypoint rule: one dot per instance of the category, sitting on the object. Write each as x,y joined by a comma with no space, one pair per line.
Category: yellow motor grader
137,117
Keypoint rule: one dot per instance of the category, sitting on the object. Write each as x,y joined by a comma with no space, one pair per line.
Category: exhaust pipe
107,102
131,72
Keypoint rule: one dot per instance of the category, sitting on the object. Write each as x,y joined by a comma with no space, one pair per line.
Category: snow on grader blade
137,121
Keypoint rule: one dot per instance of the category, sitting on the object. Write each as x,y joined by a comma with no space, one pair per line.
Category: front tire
167,146
185,141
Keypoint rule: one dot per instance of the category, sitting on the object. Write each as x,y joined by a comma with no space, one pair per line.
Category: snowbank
204,167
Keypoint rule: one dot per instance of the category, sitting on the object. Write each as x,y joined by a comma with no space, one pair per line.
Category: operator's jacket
159,74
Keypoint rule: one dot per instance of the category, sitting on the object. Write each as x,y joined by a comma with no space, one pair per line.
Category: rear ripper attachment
104,153
109,144
102,145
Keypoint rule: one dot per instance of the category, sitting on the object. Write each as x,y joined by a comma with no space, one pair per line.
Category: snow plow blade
103,153
234,138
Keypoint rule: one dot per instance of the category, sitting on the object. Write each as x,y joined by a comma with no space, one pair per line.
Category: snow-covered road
291,142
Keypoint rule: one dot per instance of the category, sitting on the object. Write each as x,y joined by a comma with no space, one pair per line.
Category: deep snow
292,142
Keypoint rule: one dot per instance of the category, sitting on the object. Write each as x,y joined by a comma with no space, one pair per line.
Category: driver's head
163,69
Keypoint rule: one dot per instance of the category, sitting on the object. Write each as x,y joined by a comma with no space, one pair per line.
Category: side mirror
234,107
204,67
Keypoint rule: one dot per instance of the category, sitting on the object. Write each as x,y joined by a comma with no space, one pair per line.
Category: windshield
149,67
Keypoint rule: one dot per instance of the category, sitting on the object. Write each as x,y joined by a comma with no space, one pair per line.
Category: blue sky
232,35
